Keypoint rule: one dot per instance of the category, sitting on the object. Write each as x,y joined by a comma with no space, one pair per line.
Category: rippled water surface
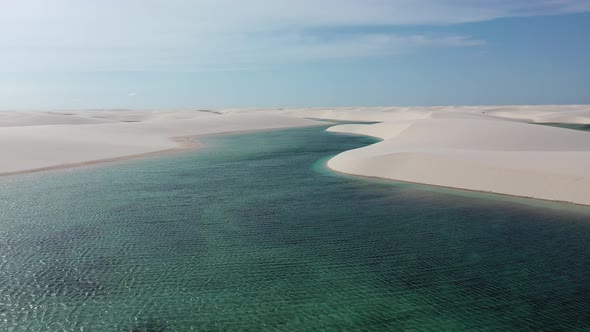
246,234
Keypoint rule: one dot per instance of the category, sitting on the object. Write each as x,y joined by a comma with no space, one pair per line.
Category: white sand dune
32,141
476,149
485,148
544,114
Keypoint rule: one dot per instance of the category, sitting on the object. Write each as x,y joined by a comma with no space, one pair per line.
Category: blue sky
281,53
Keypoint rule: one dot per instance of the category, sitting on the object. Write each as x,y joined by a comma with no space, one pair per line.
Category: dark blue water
247,234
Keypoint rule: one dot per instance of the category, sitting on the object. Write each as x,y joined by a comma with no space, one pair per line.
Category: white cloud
204,34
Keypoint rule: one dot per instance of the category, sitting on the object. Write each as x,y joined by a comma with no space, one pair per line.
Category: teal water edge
574,126
245,235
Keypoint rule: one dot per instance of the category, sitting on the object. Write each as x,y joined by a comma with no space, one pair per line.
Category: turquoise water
247,235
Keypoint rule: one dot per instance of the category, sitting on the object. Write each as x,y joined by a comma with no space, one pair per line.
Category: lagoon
252,233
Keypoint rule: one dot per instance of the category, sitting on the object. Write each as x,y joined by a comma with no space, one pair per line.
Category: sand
35,141
495,149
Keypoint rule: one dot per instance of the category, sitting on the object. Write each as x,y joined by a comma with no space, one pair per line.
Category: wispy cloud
202,34
294,47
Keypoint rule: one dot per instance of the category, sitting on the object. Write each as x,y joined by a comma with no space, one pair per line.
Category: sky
68,54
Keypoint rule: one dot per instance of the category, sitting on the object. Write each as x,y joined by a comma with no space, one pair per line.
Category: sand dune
41,140
485,148
473,149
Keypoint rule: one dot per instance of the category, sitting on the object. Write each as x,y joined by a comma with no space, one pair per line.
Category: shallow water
246,234
574,126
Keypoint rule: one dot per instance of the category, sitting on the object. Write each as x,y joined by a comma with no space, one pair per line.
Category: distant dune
486,148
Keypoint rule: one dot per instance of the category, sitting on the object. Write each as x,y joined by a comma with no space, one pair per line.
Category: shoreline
478,149
472,152
191,143
45,141
529,199
187,143
354,163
